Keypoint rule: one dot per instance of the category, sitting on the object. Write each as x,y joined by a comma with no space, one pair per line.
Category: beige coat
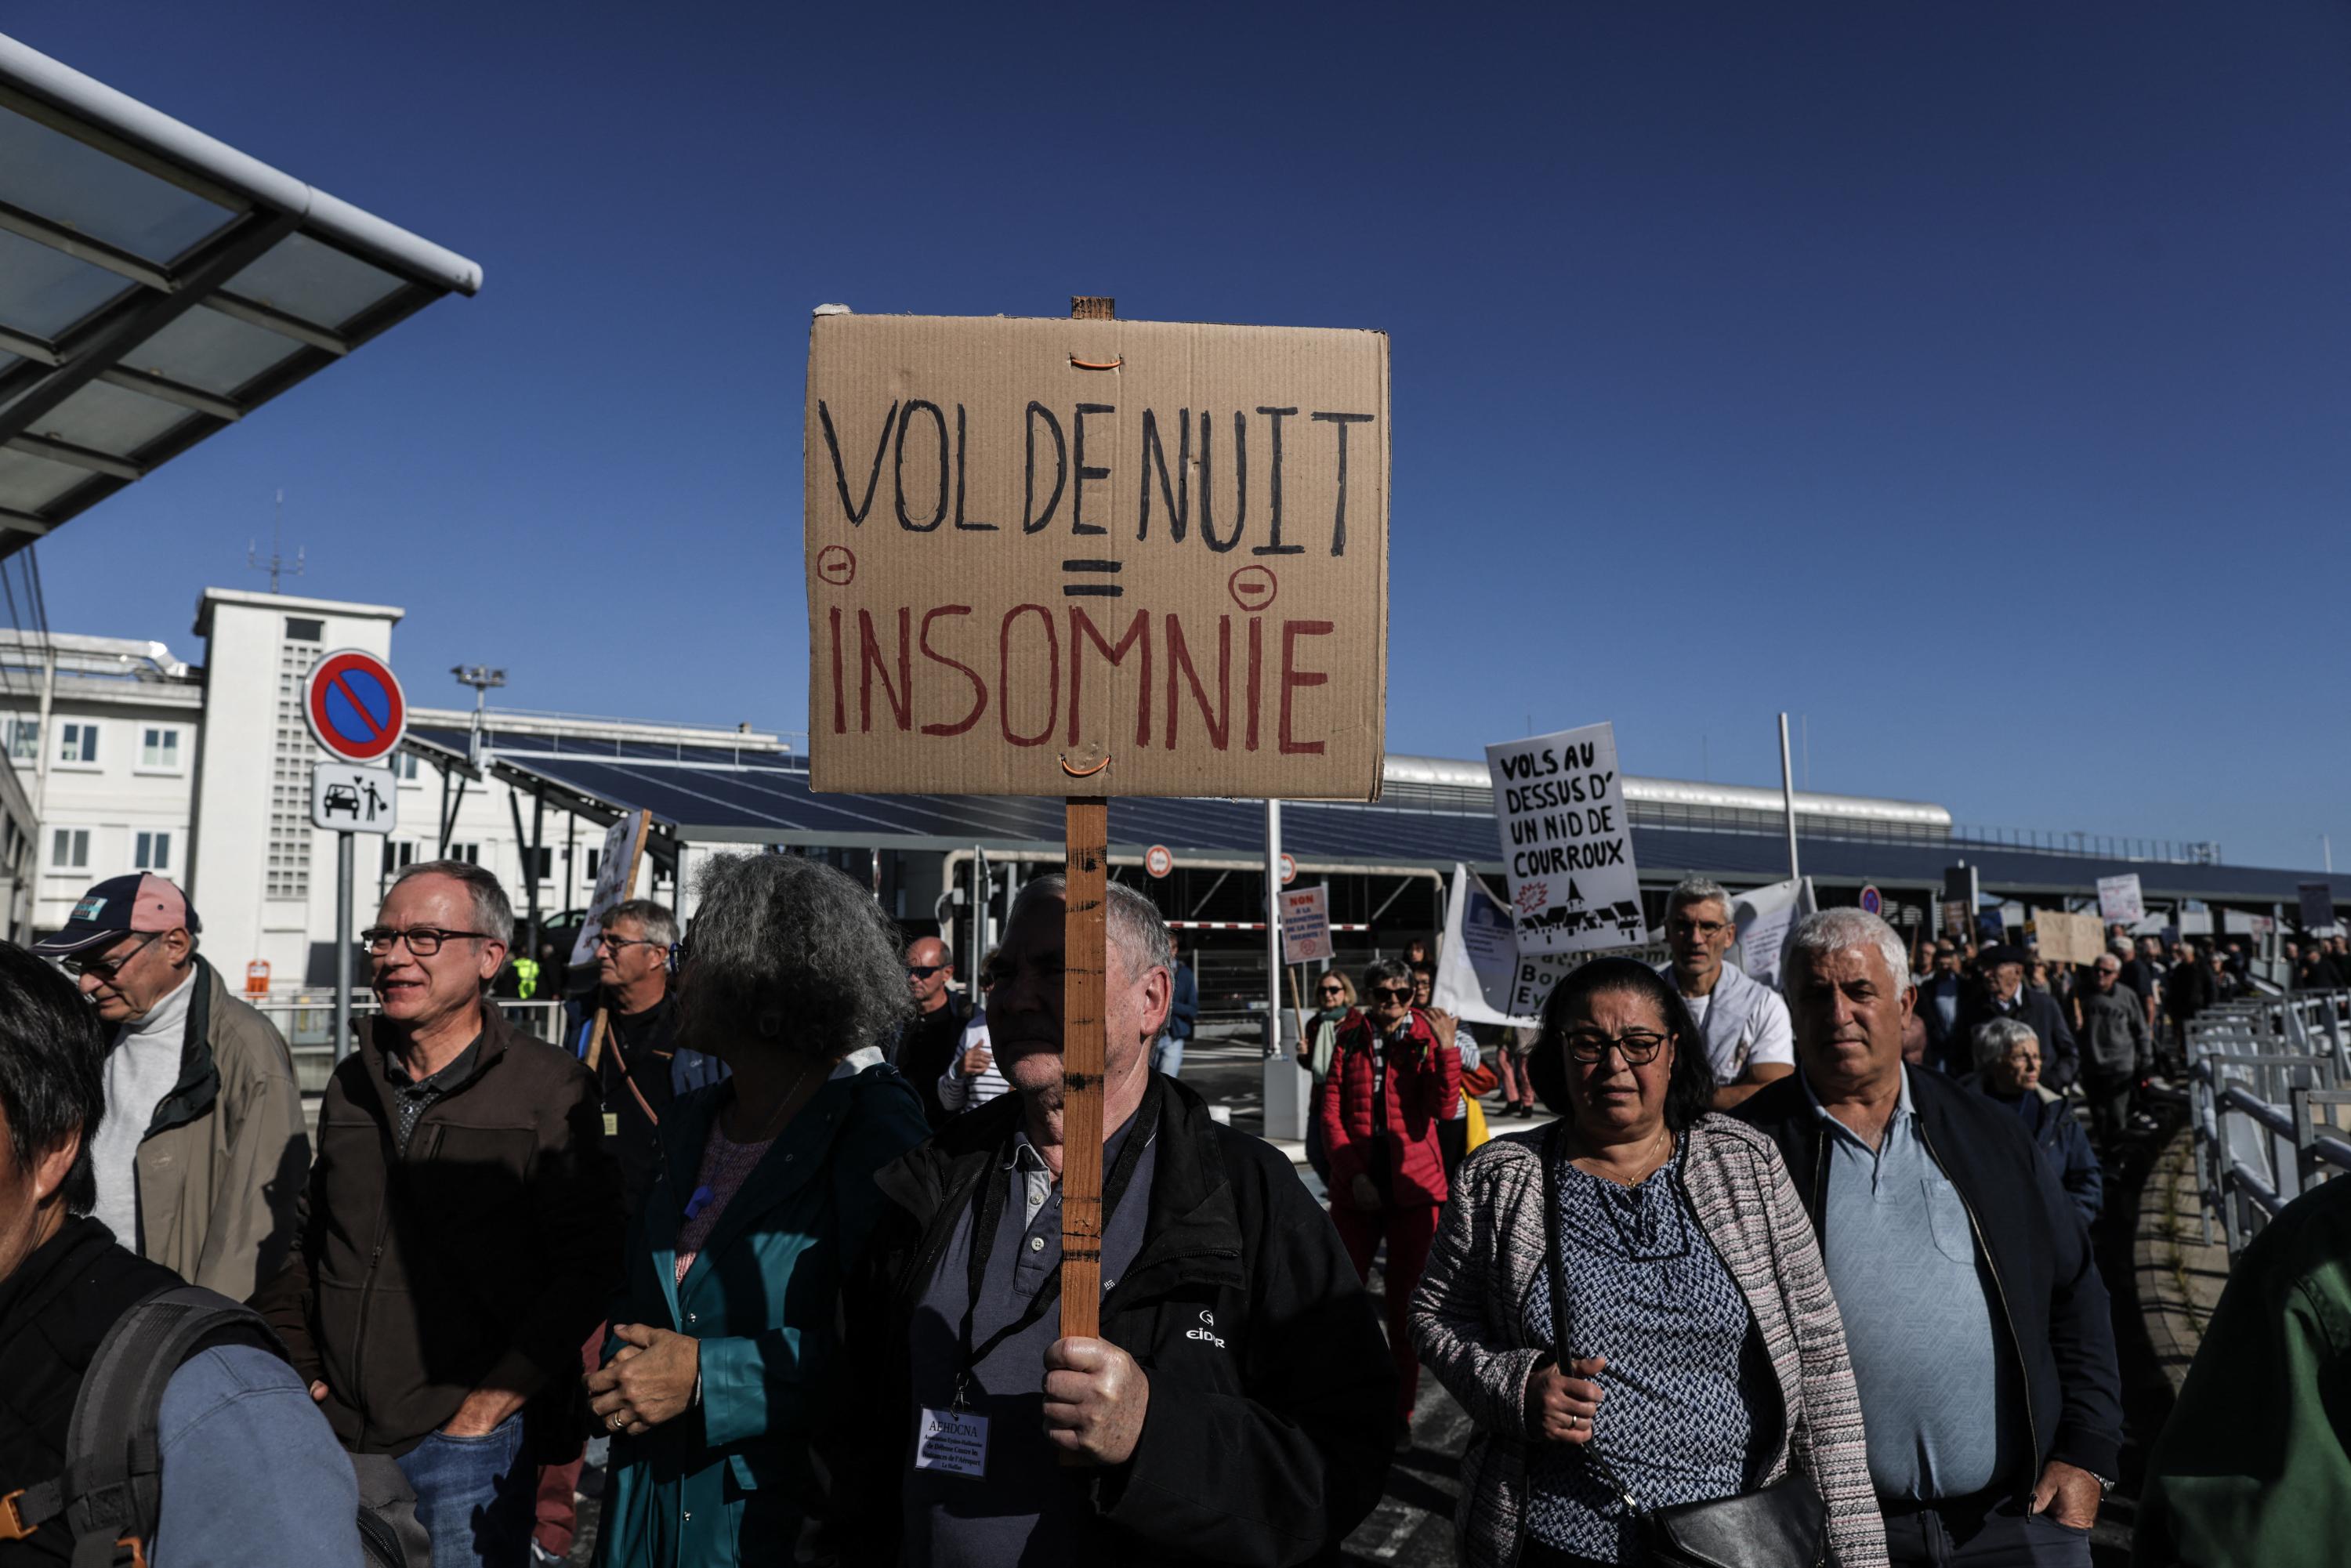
228,1153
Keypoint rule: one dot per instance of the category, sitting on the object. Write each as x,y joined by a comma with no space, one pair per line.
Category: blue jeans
1168,1056
474,1496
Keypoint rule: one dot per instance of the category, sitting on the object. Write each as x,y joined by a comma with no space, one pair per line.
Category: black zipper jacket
2052,1306
1264,1442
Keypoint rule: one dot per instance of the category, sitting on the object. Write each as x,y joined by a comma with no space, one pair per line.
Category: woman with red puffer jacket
1391,1085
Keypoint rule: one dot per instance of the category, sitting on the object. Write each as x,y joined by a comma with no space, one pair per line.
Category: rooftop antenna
276,554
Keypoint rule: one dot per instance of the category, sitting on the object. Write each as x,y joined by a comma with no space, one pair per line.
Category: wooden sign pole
1085,965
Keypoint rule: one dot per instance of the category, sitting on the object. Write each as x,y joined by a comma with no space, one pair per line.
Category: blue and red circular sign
354,704
1872,901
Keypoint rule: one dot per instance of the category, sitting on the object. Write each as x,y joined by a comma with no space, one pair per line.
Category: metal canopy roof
713,794
157,286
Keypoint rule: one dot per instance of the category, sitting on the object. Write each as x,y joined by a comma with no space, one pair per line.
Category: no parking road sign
354,704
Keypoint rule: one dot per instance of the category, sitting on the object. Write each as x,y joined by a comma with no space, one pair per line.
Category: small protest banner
616,876
1538,973
2119,899
1477,957
1765,916
1567,843
1305,924
2063,938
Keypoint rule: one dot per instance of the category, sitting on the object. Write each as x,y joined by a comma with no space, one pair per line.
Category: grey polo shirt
1937,1391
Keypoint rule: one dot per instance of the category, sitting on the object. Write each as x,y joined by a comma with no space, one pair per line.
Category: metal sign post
358,714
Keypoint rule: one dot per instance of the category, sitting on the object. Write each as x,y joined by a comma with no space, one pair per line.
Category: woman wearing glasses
721,1353
1318,1043
1391,1083
1630,1304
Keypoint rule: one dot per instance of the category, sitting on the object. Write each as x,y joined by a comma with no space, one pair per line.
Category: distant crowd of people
1799,1272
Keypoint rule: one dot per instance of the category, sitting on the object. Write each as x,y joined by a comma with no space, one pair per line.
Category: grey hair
1995,1037
2120,949
785,947
659,921
1834,930
1380,970
1136,922
493,911
1698,890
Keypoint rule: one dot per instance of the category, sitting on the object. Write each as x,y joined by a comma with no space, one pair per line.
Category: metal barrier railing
307,1022
2269,1084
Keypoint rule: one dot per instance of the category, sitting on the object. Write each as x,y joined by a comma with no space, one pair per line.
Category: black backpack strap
111,1495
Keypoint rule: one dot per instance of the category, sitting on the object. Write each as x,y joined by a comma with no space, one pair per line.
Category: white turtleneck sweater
141,1066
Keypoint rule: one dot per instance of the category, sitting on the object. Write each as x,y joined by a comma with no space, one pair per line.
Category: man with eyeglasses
200,1155
932,1042
639,1068
1747,1041
461,1230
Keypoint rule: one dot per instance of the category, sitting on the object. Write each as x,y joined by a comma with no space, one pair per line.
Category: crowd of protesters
1802,1267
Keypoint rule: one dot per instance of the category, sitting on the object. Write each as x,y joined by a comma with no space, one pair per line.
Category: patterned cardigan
1468,1324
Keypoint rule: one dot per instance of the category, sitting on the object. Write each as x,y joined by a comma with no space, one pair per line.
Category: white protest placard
1765,916
1305,924
2119,899
1477,957
616,874
1537,973
1567,844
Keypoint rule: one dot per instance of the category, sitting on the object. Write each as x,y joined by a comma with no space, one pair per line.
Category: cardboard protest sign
1537,973
2119,899
1478,957
616,874
1305,924
2065,938
1095,558
1567,841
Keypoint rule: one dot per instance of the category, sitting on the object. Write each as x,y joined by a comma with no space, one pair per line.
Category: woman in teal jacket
723,1348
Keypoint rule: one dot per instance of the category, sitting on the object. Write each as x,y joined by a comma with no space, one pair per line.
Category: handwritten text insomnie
1027,649
1184,464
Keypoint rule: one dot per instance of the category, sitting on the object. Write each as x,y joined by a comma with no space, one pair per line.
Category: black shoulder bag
1782,1526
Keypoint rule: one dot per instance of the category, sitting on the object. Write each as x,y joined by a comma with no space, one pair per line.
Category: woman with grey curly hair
724,1343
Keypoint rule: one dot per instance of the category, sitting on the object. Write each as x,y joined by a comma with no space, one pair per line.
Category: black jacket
56,1308
2038,1011
1264,1445
1940,1044
2052,1304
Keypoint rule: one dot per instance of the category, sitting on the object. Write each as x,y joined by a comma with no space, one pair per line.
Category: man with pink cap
203,1151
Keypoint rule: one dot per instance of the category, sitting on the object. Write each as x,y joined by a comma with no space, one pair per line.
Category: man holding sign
1235,1407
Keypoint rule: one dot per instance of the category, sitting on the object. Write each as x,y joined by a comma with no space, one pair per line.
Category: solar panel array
715,793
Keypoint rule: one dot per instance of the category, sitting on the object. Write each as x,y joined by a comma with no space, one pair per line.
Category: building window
153,853
303,629
69,849
160,749
291,754
24,740
78,743
594,857
470,853
404,768
398,855
542,861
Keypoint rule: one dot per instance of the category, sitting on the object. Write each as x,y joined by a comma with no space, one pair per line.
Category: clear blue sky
1972,381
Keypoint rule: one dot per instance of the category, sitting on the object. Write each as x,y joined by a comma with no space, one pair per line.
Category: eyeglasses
606,939
1333,990
1638,1050
1682,926
1392,993
923,971
422,940
106,968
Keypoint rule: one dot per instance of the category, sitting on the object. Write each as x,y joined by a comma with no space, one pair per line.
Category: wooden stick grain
1084,975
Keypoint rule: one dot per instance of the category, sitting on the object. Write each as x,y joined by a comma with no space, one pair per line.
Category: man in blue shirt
1977,1322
